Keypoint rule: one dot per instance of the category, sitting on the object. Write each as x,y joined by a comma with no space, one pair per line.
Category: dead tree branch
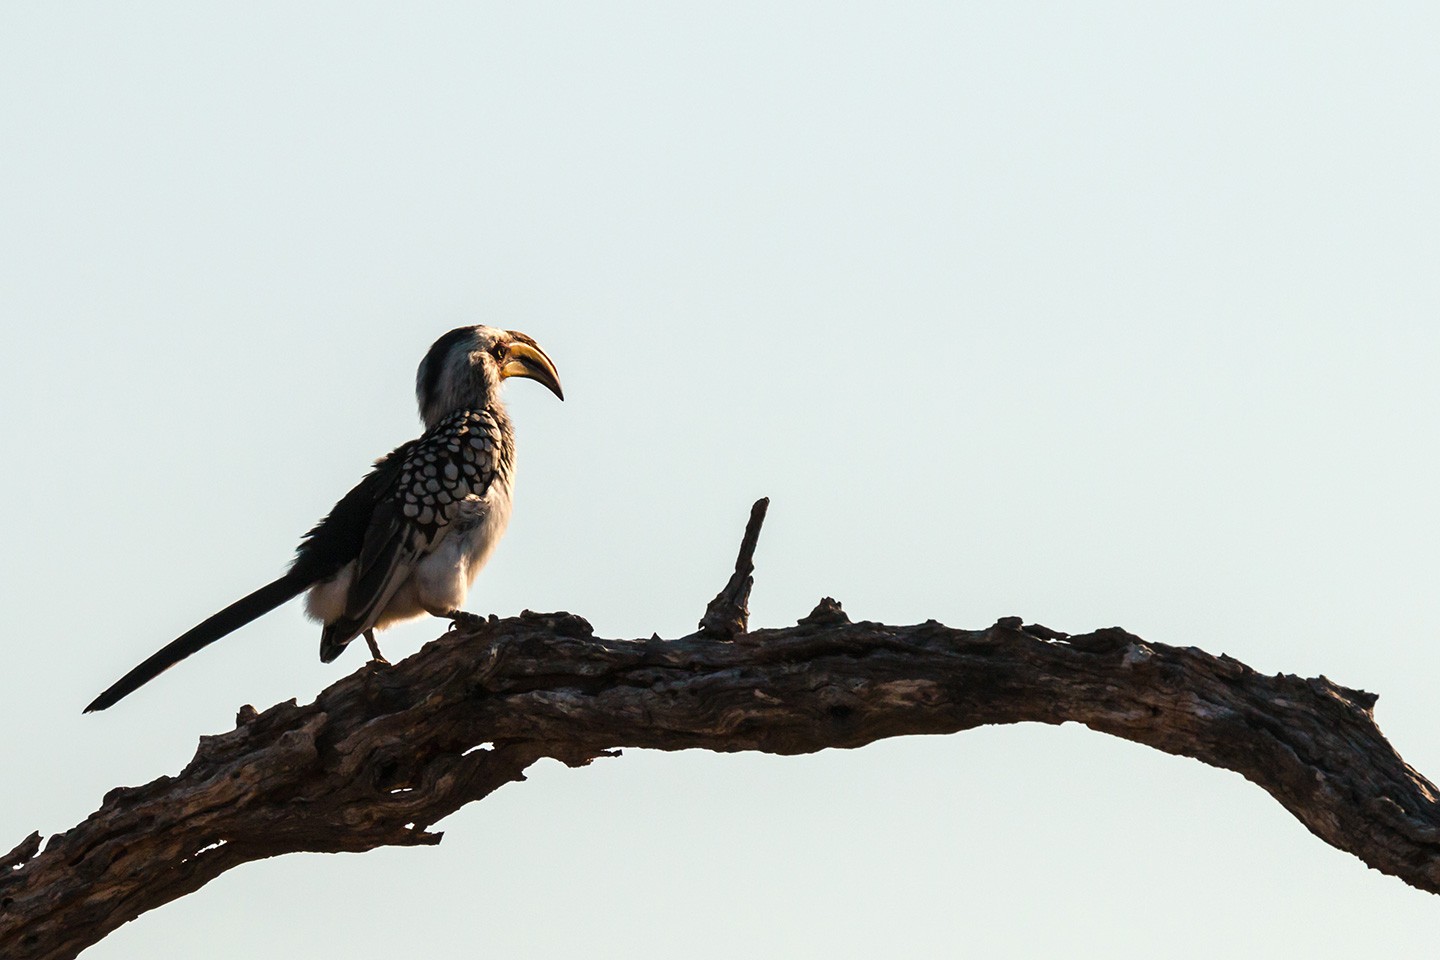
384,753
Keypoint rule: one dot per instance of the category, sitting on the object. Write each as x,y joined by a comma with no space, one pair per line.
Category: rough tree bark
386,752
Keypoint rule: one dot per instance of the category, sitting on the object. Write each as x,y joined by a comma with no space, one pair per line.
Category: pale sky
1095,314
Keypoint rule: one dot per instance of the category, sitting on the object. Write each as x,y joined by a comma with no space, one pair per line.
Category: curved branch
386,752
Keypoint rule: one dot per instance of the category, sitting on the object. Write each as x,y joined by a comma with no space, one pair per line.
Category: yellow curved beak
525,359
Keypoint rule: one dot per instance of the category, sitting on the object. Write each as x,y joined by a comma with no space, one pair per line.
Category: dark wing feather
389,542
339,538
393,546
391,549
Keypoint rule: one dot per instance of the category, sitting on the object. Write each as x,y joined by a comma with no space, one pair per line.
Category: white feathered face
463,370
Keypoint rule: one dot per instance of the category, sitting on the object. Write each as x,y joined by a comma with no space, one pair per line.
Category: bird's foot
376,657
463,620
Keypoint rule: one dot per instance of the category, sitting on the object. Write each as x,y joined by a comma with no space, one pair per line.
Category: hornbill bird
411,536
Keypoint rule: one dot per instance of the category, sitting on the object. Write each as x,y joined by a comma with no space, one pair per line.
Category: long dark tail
203,634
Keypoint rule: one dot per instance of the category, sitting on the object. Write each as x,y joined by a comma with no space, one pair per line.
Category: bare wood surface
728,615
386,752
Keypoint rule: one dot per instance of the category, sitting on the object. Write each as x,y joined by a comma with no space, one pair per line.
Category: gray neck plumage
448,398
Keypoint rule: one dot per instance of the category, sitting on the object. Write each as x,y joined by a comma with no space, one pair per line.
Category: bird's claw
463,620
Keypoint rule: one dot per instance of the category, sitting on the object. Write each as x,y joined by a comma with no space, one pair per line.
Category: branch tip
24,851
728,615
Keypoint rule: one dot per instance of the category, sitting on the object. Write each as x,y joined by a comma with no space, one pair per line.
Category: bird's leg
461,620
375,655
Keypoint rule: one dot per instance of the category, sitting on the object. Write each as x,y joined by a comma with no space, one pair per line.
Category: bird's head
463,370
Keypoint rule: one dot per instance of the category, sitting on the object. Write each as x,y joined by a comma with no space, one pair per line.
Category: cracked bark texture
383,754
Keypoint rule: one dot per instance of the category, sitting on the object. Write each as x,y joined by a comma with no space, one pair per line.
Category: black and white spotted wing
435,475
